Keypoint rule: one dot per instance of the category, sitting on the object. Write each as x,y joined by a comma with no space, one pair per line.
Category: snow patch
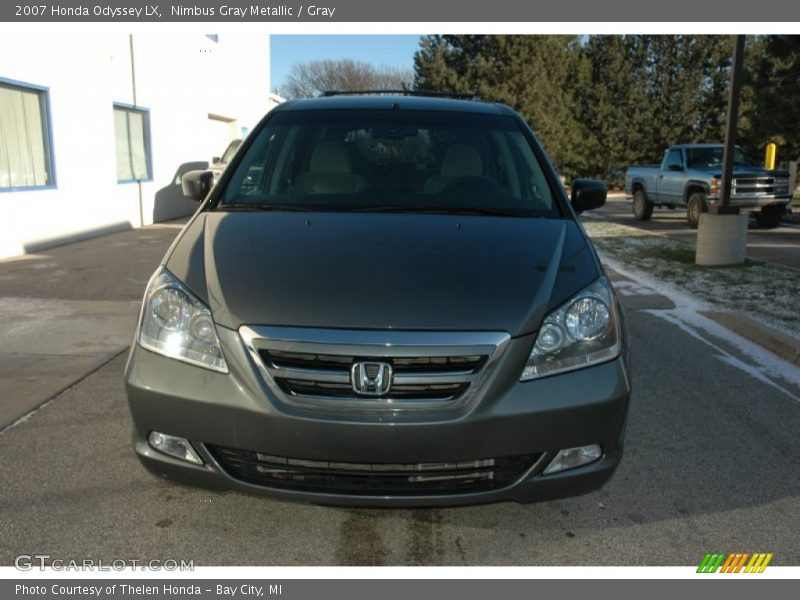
766,367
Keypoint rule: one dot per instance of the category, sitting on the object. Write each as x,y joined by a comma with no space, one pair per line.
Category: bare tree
309,79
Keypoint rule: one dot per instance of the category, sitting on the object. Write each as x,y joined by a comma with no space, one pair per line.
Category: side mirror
588,194
197,184
674,168
216,160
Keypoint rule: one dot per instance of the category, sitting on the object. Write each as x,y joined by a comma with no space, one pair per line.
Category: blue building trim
47,126
147,141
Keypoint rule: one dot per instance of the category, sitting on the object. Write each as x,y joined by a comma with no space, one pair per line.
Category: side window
26,159
132,136
674,160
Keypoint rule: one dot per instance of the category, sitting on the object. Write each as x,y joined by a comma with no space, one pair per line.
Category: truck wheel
642,207
695,206
769,218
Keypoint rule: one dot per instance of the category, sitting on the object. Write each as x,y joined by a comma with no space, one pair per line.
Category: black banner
781,11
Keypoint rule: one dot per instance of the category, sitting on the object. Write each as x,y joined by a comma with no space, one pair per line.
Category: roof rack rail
454,95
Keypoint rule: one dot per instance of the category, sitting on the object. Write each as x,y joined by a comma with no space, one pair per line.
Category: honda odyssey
384,300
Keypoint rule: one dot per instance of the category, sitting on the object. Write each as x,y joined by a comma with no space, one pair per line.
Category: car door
671,178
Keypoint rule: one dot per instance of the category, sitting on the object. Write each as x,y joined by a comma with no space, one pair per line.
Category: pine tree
775,111
602,103
529,73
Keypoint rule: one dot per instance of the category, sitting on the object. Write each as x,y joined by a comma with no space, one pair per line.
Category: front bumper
238,410
756,202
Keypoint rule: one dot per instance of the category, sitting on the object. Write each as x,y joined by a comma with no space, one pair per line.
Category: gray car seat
460,160
330,172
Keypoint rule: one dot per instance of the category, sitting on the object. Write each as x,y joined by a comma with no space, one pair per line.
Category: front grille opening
759,186
372,478
329,370
400,364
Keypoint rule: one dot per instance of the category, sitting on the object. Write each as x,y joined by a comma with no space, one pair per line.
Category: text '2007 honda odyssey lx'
385,300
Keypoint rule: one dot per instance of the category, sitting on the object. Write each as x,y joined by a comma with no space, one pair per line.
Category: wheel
769,218
695,206
642,207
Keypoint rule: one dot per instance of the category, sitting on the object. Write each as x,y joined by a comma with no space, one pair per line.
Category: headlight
177,324
583,331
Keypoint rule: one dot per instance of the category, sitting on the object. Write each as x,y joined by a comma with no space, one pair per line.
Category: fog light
174,446
569,458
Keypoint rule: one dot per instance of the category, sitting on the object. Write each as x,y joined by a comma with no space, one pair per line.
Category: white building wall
179,79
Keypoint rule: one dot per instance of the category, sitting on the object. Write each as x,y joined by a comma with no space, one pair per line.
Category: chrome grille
313,368
760,186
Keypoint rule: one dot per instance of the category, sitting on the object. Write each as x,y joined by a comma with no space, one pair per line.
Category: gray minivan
385,300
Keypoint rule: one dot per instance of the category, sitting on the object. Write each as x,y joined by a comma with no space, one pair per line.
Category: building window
26,159
132,133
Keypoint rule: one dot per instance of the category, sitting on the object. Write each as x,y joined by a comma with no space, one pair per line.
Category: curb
777,342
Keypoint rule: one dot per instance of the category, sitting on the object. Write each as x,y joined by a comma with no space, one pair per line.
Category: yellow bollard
769,159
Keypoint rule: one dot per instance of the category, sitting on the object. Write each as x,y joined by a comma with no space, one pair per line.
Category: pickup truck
690,177
218,163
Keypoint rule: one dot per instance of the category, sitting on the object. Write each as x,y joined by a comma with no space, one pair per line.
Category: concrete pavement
780,245
710,464
67,311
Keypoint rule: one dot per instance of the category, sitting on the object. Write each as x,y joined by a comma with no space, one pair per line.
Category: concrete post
721,239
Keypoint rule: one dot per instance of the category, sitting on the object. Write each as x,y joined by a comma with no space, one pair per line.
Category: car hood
380,270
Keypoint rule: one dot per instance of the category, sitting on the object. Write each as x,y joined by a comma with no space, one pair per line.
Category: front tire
695,207
642,207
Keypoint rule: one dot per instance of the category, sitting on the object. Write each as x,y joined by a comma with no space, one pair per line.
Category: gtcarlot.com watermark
29,562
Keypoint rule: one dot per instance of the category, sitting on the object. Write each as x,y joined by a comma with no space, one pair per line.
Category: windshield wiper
244,207
434,210
446,210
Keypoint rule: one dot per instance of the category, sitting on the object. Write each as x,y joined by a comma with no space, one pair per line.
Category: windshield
705,157
374,160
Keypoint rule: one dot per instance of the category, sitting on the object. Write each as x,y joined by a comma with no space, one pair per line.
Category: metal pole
133,94
730,134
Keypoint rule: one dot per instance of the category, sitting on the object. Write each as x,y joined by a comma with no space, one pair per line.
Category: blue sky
392,50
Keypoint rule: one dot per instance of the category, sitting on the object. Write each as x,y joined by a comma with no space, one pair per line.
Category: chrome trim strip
374,344
309,374
332,376
433,378
386,403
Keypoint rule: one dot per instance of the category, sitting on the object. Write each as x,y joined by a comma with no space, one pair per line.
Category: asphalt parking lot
711,462
780,245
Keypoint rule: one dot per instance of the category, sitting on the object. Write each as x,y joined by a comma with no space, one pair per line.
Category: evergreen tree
775,111
529,73
602,103
613,107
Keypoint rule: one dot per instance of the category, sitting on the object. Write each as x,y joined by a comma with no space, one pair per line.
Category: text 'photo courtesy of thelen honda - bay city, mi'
384,300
